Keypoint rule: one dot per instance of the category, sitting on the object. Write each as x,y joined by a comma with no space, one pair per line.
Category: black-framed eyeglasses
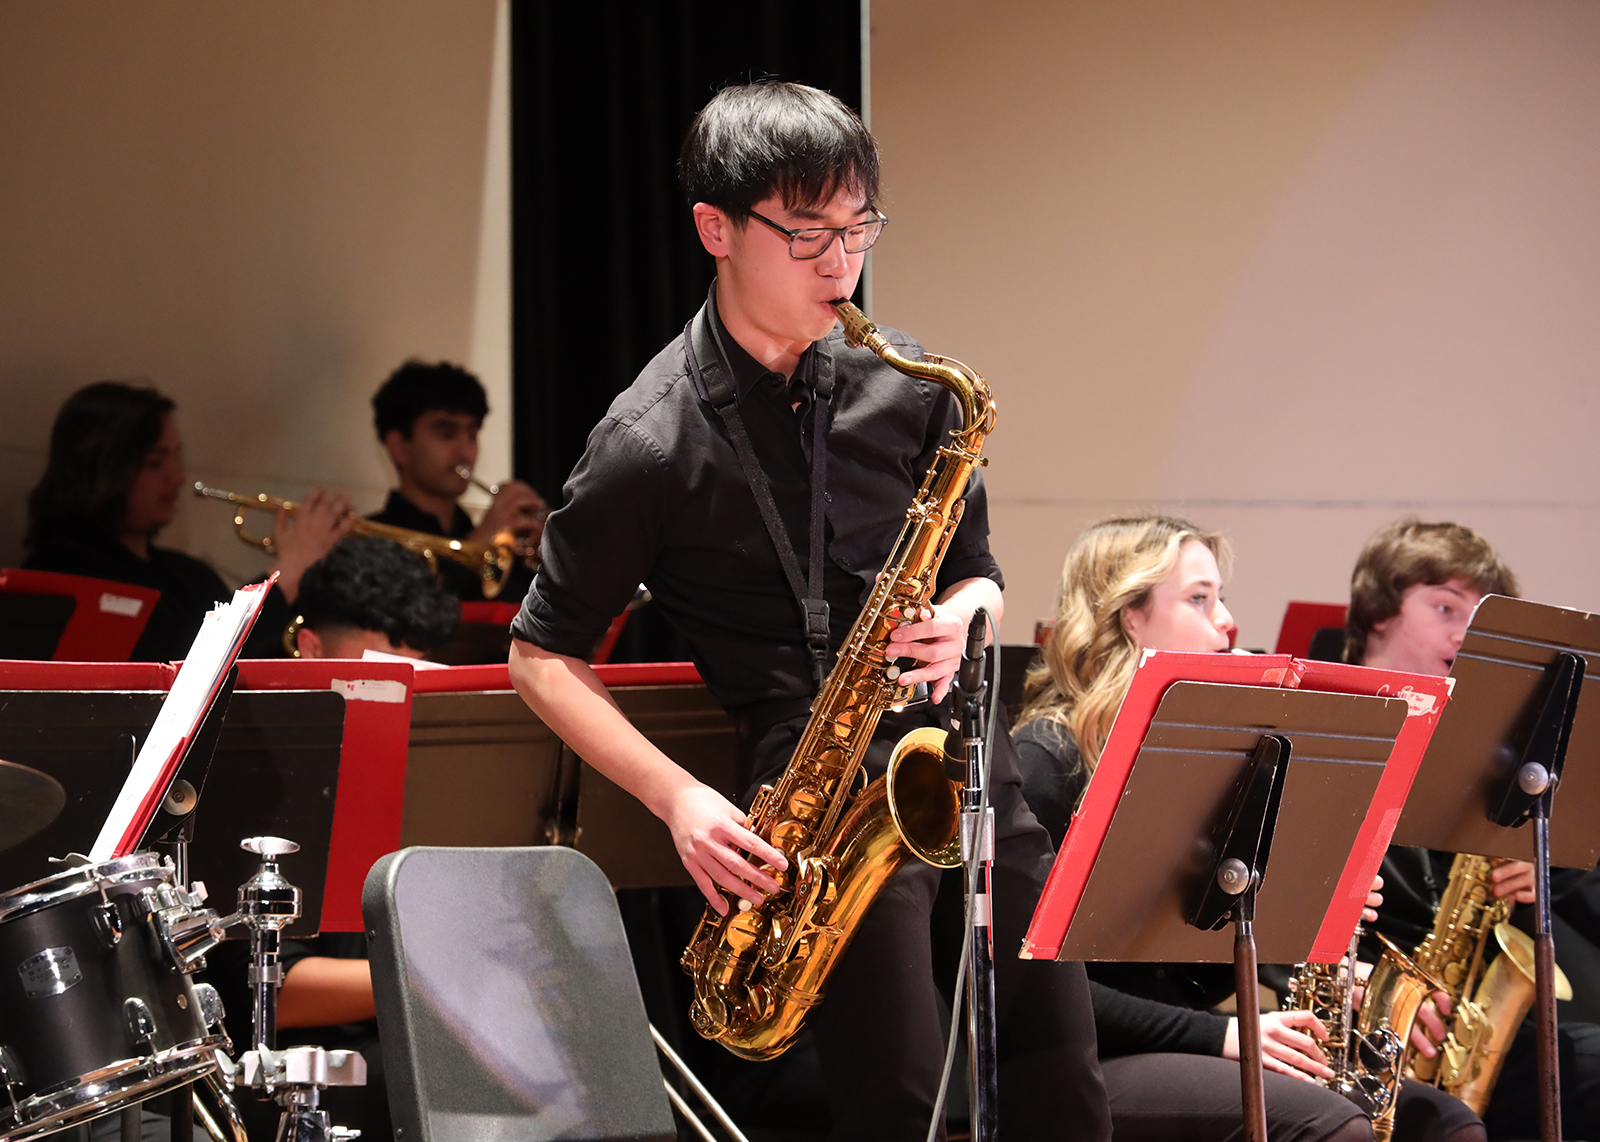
813,241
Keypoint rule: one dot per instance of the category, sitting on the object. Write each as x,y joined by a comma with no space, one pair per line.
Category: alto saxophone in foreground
759,971
1366,1048
1483,1025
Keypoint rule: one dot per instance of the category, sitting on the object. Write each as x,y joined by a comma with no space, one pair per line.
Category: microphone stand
977,852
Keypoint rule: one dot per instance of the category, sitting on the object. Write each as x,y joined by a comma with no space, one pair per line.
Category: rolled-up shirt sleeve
600,544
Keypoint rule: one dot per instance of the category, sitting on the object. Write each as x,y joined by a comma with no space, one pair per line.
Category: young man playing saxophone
781,180
1412,595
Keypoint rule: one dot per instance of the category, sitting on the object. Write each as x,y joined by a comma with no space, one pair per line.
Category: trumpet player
111,484
428,417
1412,594
781,181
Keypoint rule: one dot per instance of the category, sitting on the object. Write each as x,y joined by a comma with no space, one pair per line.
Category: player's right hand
710,832
1429,1029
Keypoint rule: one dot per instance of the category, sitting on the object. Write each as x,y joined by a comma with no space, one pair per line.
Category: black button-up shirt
659,497
462,581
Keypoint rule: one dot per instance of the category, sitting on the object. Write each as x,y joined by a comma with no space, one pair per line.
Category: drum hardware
76,939
208,1121
268,903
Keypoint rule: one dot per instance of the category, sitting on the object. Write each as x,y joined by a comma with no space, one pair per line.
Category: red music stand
107,618
1213,763
372,765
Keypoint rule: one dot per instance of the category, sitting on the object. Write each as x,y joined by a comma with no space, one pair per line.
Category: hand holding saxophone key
1431,1025
1514,879
935,642
1289,1044
711,837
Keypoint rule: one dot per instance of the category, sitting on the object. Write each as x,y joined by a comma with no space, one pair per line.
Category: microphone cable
958,997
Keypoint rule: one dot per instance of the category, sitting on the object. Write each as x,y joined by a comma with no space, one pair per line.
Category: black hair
100,439
759,138
366,582
417,387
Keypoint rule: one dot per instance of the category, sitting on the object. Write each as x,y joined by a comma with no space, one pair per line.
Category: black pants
1195,1098
1513,1110
877,1032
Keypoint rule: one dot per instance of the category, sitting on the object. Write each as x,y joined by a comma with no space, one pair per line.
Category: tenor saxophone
758,971
1482,1026
1367,1046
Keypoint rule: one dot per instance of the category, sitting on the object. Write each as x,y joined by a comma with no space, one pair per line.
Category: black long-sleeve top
659,497
189,589
1138,1008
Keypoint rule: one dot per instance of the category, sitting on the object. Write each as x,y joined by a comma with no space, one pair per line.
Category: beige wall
1290,269
261,206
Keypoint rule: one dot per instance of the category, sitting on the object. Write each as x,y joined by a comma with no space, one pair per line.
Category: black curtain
606,267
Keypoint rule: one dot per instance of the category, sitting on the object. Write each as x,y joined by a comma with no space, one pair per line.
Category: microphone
970,677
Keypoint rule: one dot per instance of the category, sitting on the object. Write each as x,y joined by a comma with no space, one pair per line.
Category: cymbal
29,800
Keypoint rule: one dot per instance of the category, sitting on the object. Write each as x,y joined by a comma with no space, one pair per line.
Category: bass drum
97,1010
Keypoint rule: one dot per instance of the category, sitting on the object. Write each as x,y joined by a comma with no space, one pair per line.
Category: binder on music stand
199,681
101,623
1517,734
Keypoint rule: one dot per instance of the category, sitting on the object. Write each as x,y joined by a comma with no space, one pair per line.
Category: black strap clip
817,637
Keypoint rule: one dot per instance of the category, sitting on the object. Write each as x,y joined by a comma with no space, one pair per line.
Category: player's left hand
1369,914
1513,878
936,642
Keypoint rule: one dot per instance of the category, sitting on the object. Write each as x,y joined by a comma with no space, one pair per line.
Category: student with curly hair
370,593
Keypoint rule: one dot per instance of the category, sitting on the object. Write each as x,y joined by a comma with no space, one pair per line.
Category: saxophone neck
969,387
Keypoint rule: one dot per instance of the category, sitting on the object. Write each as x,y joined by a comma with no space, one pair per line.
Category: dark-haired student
1154,582
111,484
1412,594
781,182
427,416
365,594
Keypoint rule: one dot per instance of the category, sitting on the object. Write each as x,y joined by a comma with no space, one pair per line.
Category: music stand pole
1242,845
977,851
1530,788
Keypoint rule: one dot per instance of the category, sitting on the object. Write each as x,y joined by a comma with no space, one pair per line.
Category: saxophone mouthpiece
858,328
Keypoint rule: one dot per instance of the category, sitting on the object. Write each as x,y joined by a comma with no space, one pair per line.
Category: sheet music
215,648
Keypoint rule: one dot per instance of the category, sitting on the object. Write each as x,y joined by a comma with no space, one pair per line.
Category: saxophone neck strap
716,385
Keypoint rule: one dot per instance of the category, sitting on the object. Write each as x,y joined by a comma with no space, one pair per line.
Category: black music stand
1496,761
1226,777
273,771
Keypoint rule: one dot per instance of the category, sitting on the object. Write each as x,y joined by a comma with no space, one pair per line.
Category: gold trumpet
490,561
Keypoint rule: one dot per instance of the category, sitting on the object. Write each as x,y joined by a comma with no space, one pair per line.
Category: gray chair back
507,1002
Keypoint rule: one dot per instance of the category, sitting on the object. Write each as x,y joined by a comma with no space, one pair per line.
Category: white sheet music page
215,648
